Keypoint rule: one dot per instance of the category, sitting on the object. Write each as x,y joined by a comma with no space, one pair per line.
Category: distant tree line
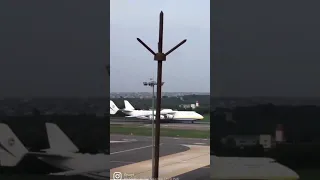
301,123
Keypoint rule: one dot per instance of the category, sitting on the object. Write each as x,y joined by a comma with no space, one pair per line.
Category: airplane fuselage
80,162
144,112
166,114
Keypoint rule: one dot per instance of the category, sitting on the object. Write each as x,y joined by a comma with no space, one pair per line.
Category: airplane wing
150,114
81,172
137,116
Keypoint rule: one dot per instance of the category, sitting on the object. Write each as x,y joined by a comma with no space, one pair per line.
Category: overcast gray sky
186,70
53,48
265,48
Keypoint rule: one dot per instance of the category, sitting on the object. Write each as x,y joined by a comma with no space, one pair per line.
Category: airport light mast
160,56
152,83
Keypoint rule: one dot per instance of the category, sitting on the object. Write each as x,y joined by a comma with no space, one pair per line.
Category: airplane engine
169,116
166,110
161,117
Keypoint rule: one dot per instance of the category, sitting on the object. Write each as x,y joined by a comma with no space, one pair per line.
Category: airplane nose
200,116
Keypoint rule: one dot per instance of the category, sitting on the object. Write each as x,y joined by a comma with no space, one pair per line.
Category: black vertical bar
160,43
155,172
157,133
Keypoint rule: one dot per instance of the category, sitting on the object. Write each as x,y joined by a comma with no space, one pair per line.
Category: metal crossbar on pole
159,56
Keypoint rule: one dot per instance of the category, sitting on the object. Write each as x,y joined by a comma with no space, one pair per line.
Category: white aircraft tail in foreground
62,154
113,108
58,141
12,148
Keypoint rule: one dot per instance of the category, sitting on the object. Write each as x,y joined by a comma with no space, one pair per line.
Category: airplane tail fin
11,148
113,108
58,140
128,106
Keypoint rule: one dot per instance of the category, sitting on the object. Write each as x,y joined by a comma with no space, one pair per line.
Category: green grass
206,118
145,131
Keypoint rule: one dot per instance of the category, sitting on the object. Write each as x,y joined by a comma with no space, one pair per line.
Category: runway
183,158
194,126
143,121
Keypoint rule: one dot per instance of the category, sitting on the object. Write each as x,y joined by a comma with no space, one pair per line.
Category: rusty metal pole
159,56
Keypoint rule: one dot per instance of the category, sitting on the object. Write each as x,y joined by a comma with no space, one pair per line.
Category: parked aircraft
62,154
113,108
165,114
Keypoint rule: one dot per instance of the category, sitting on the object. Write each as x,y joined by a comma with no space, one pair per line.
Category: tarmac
180,158
189,126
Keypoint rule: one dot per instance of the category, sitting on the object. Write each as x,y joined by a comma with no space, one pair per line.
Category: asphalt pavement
190,126
125,151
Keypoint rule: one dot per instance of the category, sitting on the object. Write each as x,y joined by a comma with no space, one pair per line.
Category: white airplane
62,154
129,109
165,114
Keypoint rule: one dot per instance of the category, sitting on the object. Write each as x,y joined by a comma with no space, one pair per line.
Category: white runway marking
200,143
128,150
124,140
117,141
129,140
